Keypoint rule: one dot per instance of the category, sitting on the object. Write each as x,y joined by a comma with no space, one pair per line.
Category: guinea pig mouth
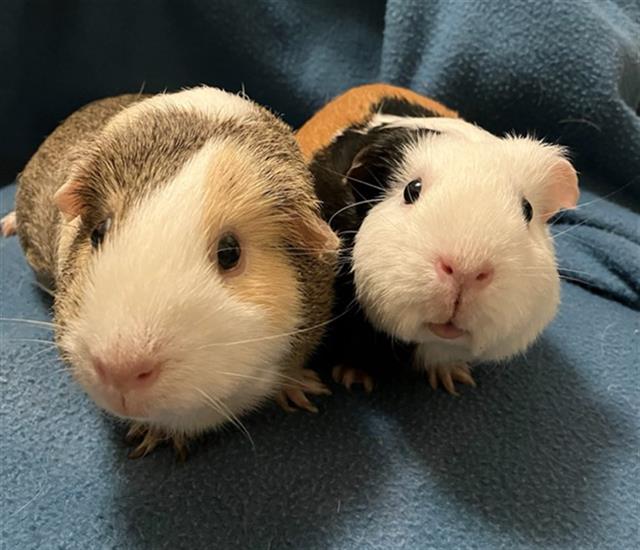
448,330
124,405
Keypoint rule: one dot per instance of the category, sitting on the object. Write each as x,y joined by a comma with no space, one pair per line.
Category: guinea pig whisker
379,188
352,205
560,268
575,237
576,280
303,250
594,201
290,381
570,229
41,352
27,322
379,200
45,289
544,270
282,334
221,408
37,340
310,251
534,274
608,195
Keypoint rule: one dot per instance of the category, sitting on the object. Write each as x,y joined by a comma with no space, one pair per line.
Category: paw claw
447,375
368,384
308,383
145,439
148,444
348,376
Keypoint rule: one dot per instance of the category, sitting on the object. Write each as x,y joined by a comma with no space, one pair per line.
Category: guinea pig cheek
385,264
522,302
266,280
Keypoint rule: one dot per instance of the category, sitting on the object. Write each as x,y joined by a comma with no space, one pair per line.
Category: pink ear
67,200
562,190
317,234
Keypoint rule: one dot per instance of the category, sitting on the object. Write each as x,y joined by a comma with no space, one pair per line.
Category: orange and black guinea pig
334,143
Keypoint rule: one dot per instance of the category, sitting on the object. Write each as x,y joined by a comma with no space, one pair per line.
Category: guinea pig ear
561,191
316,234
367,176
68,200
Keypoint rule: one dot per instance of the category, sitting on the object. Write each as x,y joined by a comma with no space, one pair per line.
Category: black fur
358,166
402,107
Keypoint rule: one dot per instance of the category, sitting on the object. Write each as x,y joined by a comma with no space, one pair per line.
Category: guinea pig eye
228,251
98,233
412,191
527,210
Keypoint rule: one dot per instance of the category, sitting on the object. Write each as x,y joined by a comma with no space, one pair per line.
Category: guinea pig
444,226
191,270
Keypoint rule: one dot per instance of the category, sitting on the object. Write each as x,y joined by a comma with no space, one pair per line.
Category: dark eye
228,251
412,191
97,235
527,210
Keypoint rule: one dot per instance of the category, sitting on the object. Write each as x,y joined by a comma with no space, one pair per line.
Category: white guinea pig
192,271
450,250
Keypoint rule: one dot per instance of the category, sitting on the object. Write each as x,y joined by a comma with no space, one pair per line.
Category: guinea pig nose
445,268
450,271
482,277
127,375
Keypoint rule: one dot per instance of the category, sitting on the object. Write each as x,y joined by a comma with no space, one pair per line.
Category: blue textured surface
568,69
544,453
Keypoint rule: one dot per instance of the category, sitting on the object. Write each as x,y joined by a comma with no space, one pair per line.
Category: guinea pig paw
149,443
146,439
306,382
135,433
347,376
8,225
447,375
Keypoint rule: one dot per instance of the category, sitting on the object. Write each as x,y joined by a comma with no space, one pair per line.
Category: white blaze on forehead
212,101
216,103
165,228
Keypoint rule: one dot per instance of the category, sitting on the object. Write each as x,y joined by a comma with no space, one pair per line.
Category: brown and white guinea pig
446,228
192,271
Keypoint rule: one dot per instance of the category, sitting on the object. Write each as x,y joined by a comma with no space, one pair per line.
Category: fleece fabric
568,70
542,454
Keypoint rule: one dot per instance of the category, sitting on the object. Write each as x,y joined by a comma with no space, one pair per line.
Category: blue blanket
567,69
544,453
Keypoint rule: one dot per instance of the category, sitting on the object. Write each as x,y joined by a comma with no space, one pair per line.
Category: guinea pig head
455,249
177,306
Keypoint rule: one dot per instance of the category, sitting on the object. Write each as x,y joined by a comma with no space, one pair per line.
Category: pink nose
448,270
134,375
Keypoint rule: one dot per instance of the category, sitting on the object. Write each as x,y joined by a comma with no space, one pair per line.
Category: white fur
214,102
152,291
470,209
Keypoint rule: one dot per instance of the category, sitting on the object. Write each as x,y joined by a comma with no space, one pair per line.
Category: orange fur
268,279
351,107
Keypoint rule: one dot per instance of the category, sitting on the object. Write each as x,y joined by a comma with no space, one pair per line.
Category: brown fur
354,107
49,168
292,256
